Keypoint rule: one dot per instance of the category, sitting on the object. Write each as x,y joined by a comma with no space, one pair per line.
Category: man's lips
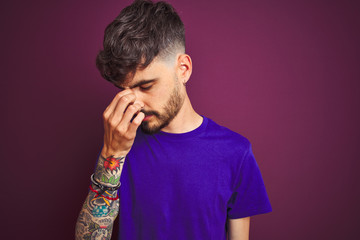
147,117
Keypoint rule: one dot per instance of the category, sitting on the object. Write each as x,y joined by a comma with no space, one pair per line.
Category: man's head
142,31
144,51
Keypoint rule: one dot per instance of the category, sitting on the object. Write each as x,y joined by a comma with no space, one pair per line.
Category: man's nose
138,100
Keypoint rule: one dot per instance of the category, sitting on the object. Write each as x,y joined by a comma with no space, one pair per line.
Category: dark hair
142,31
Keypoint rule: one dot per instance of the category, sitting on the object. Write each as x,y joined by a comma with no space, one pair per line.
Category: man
182,175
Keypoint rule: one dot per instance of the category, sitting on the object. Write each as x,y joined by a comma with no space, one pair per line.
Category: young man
182,175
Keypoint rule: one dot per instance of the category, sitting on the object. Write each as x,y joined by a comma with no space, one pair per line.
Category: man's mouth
147,117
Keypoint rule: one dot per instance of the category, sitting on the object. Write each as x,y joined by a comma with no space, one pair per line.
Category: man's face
159,90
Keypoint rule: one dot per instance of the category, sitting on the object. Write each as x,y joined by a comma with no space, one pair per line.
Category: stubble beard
171,109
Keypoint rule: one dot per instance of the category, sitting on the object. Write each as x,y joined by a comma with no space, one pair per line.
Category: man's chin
146,128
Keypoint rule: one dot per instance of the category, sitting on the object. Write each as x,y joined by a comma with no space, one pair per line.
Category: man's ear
184,68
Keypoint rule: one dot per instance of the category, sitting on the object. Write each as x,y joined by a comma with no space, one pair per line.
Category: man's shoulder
223,134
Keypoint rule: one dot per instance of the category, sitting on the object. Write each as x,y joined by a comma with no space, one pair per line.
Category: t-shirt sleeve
249,195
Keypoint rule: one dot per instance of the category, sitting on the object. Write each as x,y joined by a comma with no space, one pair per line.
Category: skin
239,229
149,90
98,213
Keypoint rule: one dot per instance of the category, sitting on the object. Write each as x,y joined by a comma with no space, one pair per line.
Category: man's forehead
143,75
131,78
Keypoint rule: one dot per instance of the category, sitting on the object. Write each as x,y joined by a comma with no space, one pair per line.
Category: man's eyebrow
137,84
142,82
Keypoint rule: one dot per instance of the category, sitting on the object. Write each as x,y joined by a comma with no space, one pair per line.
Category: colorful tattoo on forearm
100,210
113,164
97,216
100,206
98,232
109,170
87,229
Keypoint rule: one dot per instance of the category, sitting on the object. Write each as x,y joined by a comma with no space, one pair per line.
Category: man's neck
185,121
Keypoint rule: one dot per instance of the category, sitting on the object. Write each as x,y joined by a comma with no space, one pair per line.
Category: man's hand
119,130
100,209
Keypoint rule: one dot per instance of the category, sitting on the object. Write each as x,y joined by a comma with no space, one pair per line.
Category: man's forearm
100,209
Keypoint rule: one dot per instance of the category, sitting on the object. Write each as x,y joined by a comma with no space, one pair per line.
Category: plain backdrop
285,74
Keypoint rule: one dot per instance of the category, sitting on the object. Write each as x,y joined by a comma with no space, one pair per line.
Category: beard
171,109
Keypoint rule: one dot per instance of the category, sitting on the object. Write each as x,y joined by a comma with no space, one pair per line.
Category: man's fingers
110,108
129,114
136,123
124,102
121,113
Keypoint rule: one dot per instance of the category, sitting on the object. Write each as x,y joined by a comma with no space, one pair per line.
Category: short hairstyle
142,31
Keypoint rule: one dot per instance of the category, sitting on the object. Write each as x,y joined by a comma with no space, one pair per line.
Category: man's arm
99,210
239,229
121,120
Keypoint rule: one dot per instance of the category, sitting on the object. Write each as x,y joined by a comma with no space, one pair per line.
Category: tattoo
109,170
98,213
113,164
97,217
82,224
99,206
98,232
112,180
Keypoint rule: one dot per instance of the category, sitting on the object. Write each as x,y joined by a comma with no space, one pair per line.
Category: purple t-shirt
185,186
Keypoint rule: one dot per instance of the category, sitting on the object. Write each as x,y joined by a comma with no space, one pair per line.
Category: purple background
285,74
